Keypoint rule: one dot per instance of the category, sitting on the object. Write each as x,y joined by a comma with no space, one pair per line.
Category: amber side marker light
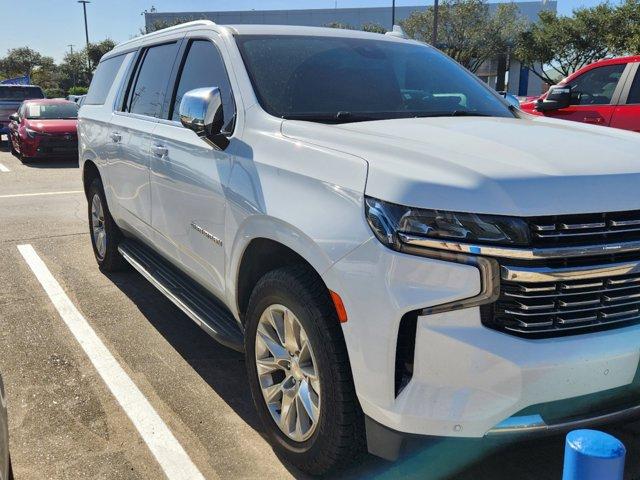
340,310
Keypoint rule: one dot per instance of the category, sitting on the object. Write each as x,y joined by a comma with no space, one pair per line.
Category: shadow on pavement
460,459
45,163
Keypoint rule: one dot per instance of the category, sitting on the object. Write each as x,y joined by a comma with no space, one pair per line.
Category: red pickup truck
603,93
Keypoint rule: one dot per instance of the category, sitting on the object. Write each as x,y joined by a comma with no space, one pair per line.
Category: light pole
393,13
86,28
434,36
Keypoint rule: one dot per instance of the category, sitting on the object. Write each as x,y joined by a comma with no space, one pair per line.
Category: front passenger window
204,67
596,86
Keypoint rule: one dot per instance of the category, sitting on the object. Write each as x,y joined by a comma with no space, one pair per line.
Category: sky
50,26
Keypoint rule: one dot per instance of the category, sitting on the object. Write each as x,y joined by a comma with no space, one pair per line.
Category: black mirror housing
201,111
14,117
557,98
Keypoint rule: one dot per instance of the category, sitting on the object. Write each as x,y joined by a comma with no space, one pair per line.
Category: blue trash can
593,455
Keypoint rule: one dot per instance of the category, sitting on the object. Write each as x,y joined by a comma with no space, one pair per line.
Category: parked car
5,459
603,93
392,246
44,129
11,96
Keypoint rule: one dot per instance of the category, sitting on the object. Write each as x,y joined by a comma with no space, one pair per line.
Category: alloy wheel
97,226
287,371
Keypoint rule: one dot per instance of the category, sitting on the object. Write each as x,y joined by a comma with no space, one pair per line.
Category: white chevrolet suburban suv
395,249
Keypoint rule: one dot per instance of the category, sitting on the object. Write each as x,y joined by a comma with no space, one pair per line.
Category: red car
44,129
603,93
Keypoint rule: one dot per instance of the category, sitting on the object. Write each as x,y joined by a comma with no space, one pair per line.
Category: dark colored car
44,129
11,96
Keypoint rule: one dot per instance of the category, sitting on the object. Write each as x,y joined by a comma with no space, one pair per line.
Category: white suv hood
525,167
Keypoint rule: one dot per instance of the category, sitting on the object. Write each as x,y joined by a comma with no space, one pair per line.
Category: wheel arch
265,244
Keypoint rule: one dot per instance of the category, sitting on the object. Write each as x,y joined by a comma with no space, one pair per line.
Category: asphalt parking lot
65,423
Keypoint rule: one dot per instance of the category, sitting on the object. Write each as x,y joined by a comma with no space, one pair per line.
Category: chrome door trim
519,253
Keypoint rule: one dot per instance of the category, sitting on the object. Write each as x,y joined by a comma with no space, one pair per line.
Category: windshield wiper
339,117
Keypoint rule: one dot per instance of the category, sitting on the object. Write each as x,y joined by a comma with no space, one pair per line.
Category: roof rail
193,23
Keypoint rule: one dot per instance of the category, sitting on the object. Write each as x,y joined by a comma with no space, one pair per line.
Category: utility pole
73,77
434,36
393,13
86,29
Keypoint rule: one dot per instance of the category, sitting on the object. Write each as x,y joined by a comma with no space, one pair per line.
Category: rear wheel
299,372
105,234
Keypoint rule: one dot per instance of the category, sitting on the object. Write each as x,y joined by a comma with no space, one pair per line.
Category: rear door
627,112
593,95
188,174
131,129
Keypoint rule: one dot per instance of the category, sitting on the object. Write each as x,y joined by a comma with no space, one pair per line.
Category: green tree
366,27
20,61
559,45
78,91
628,17
373,28
467,31
46,74
73,71
95,51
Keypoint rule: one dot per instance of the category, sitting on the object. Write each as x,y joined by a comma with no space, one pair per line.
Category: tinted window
634,93
20,93
148,91
349,79
44,111
596,86
103,79
204,67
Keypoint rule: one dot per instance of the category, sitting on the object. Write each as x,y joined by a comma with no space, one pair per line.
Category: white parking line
165,447
4,169
16,195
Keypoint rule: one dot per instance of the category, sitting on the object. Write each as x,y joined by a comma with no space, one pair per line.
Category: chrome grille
585,229
551,308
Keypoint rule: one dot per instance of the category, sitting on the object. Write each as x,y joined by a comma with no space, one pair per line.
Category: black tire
111,260
11,149
339,436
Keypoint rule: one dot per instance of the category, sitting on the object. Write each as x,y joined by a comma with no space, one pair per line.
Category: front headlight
387,220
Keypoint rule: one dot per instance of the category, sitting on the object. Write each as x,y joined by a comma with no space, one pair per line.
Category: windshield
337,80
20,93
51,111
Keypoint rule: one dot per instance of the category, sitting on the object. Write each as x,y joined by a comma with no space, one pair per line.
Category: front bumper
468,380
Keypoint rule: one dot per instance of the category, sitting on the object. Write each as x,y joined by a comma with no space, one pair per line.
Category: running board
188,296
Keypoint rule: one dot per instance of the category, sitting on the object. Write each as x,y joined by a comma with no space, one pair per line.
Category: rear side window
634,93
204,67
103,79
147,93
596,86
20,93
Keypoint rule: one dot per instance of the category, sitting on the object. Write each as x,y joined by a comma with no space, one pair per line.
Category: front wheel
105,234
299,372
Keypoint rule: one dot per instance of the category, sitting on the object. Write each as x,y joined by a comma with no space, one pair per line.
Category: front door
188,175
131,131
592,96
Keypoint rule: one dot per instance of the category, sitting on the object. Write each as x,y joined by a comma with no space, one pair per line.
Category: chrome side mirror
201,111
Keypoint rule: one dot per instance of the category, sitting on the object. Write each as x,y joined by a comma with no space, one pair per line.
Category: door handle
160,150
593,119
116,137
